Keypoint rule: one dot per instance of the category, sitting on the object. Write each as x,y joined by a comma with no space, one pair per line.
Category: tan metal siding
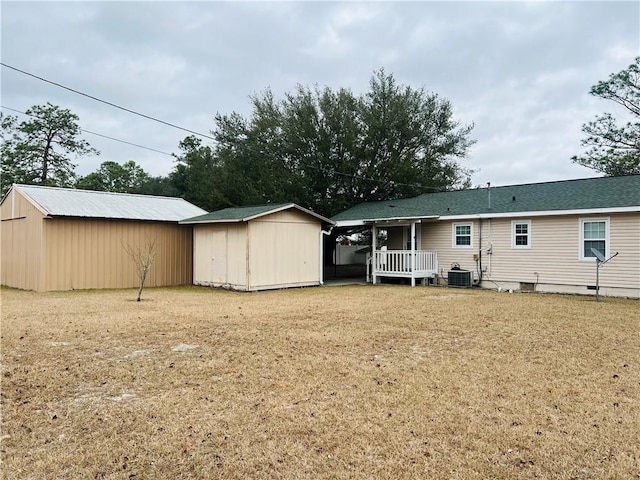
90,253
21,247
284,250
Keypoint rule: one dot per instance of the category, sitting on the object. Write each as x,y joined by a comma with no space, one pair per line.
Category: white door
210,259
219,256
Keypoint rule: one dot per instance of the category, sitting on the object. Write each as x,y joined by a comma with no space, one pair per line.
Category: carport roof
68,202
245,214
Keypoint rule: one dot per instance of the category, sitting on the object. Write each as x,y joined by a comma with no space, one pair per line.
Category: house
258,248
65,239
523,237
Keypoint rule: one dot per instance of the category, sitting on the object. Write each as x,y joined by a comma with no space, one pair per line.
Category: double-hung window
594,233
462,235
521,234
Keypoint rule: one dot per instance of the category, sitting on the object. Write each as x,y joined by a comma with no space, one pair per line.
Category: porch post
374,236
413,254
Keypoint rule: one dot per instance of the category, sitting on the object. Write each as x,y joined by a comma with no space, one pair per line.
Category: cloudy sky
520,71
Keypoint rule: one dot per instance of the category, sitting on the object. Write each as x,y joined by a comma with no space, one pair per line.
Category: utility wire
97,134
107,103
128,143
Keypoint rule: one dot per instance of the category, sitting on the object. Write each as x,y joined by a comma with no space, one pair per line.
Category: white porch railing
404,263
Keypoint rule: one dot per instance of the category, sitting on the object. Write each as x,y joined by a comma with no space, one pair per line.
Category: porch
412,264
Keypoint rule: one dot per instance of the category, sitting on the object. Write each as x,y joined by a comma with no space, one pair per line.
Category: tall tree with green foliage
614,149
40,150
196,175
328,150
114,177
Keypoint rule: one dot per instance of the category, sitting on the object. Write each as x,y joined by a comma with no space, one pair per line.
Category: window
594,233
462,235
521,234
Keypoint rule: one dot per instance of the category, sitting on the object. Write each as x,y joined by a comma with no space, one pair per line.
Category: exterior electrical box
459,278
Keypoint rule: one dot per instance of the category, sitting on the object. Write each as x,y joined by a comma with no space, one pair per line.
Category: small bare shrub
143,257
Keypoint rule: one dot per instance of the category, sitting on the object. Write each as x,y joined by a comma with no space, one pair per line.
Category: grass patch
334,382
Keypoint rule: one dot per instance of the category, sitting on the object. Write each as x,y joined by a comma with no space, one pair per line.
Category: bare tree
143,257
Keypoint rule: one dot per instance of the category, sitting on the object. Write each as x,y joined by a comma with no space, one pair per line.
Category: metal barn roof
67,202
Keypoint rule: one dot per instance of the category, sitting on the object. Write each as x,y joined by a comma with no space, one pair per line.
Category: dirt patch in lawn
334,382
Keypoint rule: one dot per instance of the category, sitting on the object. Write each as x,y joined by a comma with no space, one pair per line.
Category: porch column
374,237
413,254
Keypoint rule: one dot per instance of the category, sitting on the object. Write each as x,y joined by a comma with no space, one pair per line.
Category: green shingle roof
244,214
591,193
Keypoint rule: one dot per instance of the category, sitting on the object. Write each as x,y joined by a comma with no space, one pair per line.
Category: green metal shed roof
244,214
568,195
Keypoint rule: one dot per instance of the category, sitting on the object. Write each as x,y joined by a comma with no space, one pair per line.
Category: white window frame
455,236
607,244
514,244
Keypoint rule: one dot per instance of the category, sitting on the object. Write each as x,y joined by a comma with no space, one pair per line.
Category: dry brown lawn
384,382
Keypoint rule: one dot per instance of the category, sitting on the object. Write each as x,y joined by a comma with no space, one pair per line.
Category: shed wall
284,250
21,248
220,255
90,253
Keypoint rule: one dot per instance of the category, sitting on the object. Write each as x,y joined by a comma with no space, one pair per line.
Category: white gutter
390,220
539,213
349,223
544,213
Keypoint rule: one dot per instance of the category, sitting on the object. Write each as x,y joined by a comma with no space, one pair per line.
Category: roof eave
214,220
40,208
261,214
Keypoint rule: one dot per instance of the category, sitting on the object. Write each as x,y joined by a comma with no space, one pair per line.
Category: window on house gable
594,233
521,234
462,234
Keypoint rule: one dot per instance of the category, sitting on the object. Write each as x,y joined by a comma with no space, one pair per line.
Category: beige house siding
554,254
90,253
438,236
21,237
274,251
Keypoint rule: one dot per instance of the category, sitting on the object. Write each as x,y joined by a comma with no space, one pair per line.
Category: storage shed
258,248
66,239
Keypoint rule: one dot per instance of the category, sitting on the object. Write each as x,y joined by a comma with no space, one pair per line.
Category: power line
98,134
107,103
128,143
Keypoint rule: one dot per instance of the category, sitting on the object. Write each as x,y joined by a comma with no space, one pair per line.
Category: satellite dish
600,259
598,254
